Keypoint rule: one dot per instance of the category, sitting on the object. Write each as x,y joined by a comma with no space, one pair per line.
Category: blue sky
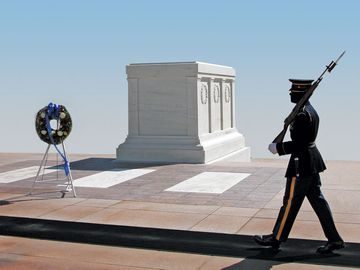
74,53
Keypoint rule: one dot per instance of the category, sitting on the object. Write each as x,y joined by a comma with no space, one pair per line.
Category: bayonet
333,64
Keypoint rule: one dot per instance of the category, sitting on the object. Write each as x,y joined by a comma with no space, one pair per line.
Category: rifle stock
279,138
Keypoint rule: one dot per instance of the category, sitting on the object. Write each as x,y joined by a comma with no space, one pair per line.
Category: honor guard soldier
302,175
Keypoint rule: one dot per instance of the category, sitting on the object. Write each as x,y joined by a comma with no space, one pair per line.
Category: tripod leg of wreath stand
70,183
42,165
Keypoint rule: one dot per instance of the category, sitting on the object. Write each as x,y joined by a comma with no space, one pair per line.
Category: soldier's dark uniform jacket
303,132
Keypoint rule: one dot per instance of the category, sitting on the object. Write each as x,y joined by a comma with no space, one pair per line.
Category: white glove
272,148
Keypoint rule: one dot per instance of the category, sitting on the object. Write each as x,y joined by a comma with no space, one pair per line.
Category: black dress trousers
296,190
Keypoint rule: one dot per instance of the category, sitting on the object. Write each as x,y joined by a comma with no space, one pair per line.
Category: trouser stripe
287,210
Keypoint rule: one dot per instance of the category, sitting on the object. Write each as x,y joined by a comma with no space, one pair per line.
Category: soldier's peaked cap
300,85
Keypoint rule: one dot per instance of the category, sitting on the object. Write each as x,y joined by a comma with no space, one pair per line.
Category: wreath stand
69,185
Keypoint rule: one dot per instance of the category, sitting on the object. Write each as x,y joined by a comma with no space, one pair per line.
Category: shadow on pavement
266,258
4,202
218,244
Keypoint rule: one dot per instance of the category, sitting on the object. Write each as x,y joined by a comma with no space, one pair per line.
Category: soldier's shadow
266,258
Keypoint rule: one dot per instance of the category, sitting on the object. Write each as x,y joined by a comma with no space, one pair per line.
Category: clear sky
74,53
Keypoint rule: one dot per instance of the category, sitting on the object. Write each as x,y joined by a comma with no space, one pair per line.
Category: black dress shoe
267,241
330,247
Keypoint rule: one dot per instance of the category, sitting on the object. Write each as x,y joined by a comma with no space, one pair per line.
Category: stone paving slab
215,244
144,201
19,254
250,207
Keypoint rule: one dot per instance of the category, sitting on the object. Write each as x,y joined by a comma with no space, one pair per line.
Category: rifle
279,138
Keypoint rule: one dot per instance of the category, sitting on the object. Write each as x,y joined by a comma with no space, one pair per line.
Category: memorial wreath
63,127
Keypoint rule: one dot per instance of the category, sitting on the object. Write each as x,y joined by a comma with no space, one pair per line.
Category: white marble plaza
209,182
20,174
107,179
181,112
